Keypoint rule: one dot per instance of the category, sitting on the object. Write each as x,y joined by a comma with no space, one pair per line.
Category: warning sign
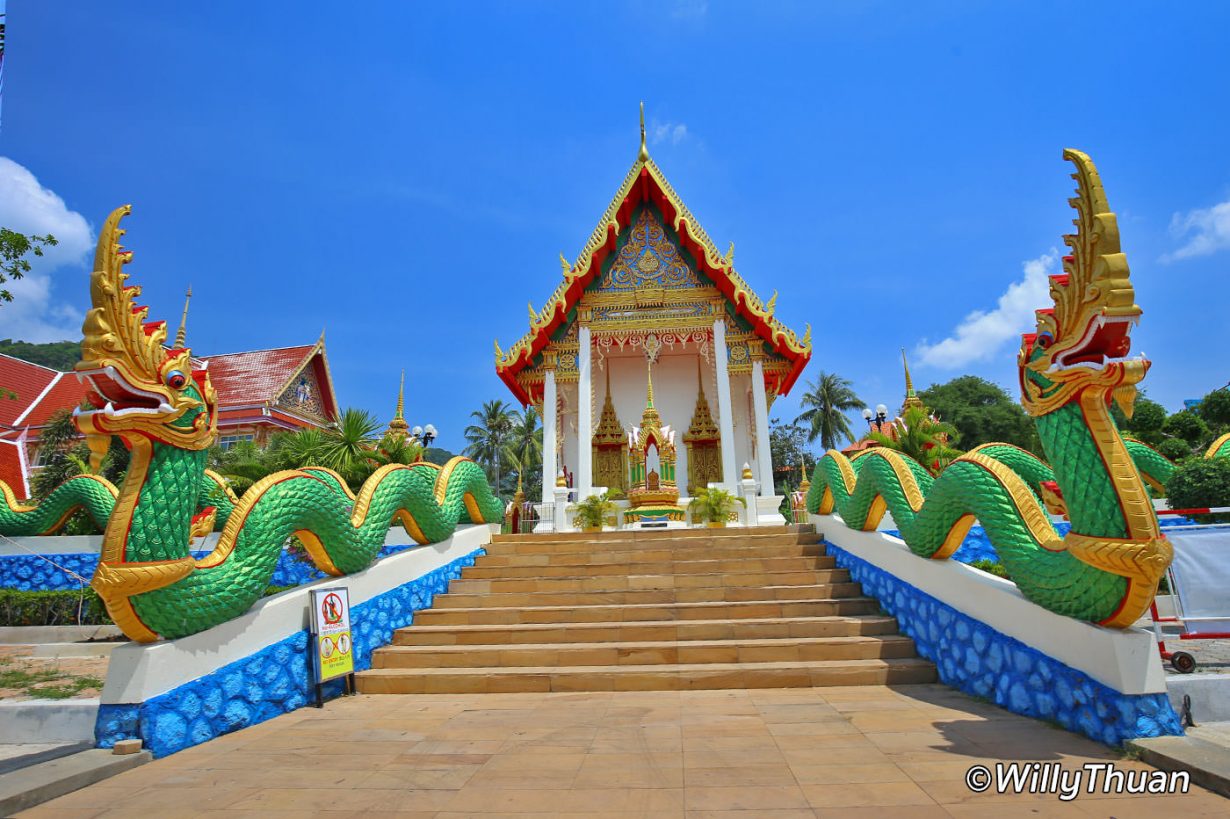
331,628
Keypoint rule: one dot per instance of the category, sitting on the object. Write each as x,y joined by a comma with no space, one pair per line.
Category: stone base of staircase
648,610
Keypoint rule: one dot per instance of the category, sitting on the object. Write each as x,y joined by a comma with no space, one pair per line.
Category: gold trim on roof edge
540,319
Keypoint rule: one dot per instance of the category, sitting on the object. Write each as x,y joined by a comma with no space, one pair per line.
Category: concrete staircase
648,610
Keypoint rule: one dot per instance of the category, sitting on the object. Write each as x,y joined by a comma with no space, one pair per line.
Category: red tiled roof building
259,392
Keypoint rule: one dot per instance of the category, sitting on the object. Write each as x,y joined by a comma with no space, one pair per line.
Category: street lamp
881,415
423,436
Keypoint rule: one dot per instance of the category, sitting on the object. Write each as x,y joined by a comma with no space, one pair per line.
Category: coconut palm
525,445
826,402
923,437
490,437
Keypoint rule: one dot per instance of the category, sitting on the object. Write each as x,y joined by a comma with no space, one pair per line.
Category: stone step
667,652
649,553
637,580
688,544
486,567
677,677
706,594
659,534
640,612
749,629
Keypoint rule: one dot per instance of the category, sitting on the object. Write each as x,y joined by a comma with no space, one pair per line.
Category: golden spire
649,396
643,156
911,399
181,334
804,484
700,382
398,426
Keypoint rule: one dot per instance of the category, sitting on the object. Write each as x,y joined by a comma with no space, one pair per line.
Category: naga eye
176,380
1045,340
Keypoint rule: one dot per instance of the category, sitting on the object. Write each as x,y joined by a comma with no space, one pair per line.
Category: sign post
333,655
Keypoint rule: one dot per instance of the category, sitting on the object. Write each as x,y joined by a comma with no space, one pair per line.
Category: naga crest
1083,341
139,386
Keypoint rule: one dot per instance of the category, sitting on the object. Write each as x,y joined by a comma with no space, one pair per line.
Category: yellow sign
331,627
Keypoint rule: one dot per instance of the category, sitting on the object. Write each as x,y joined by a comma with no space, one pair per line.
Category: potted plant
589,514
714,506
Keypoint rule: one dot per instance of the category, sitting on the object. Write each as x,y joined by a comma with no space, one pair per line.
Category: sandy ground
18,658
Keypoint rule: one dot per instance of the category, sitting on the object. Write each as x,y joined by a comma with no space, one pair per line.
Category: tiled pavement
772,753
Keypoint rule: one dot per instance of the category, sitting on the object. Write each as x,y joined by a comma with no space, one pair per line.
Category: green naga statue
166,413
1106,569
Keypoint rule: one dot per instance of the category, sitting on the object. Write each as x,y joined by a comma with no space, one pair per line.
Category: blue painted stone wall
977,659
275,680
33,573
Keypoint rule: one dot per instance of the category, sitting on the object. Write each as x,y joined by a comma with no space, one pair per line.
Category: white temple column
549,408
760,405
730,470
585,414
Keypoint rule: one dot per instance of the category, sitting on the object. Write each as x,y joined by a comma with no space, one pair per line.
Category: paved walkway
772,753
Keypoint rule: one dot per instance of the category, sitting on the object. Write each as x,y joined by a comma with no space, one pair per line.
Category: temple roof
40,392
646,183
261,376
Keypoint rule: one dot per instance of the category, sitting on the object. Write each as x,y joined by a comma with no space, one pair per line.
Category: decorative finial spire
182,334
700,382
398,426
643,156
911,398
730,255
649,395
563,262
804,484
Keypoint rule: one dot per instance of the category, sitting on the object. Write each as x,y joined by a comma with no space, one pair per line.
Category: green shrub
991,567
51,608
1174,448
1199,483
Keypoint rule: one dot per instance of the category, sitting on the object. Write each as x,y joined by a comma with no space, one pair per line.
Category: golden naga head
1084,340
139,387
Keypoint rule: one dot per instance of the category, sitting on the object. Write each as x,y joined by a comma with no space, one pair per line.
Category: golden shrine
650,290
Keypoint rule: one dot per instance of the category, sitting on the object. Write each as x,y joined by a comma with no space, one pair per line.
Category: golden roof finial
563,262
182,334
804,484
730,255
643,156
649,395
533,315
807,336
700,382
768,308
498,352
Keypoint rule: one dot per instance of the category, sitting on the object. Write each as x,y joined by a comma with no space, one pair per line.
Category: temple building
653,364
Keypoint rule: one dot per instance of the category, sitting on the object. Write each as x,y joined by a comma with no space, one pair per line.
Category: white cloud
27,207
1208,229
671,132
983,332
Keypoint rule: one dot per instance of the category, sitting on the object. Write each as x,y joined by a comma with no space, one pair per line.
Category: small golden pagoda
703,441
398,428
610,447
654,495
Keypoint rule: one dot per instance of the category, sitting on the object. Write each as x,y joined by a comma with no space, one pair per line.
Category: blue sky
406,175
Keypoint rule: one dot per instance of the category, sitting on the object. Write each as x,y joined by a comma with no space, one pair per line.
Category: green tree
1200,483
922,437
14,248
58,355
789,448
490,437
1214,408
981,412
1189,427
1174,448
826,401
1148,418
395,449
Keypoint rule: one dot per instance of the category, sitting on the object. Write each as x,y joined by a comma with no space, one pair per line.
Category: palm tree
346,446
490,437
826,402
525,443
395,449
922,437
295,450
